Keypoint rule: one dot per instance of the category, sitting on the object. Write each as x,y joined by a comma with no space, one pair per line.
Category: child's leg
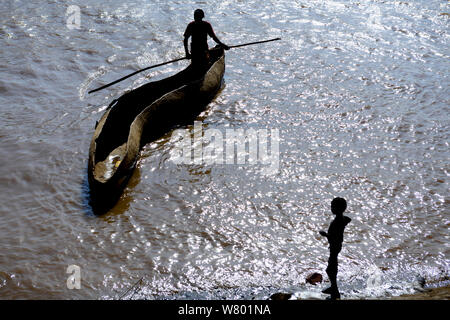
332,270
332,274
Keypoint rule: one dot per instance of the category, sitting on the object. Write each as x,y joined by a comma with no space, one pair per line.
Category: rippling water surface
359,92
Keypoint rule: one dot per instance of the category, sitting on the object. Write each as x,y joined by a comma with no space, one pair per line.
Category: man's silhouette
335,236
199,31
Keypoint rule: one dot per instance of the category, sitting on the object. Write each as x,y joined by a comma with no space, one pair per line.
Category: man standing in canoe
199,31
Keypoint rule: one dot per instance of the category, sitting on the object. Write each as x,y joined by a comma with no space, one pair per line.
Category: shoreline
440,293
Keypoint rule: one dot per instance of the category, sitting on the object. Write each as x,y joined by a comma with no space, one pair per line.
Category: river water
359,94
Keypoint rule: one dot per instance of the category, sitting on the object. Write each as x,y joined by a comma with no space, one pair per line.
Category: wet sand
428,294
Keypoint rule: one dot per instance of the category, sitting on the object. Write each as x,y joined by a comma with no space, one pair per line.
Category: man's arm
187,34
214,37
323,233
188,55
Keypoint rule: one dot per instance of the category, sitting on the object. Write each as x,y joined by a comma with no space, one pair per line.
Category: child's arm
323,233
347,220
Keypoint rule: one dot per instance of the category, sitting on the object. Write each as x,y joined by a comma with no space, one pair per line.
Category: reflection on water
357,89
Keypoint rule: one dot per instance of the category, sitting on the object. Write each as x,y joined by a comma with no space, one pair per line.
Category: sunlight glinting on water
358,91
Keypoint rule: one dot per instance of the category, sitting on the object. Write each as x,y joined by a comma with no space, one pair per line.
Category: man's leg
200,59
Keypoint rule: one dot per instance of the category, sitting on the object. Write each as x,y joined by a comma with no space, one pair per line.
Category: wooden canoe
143,115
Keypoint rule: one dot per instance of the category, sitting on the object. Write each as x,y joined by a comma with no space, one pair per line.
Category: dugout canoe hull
141,116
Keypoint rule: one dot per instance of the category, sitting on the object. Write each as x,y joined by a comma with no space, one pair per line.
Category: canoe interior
111,143
127,107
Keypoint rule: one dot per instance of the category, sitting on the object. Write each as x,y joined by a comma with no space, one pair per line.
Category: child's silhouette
335,236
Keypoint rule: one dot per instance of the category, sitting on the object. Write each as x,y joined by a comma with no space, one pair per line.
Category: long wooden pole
251,43
172,61
136,72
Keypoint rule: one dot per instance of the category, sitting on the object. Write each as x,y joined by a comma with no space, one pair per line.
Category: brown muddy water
359,94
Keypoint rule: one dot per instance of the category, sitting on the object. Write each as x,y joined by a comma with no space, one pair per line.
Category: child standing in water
335,236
